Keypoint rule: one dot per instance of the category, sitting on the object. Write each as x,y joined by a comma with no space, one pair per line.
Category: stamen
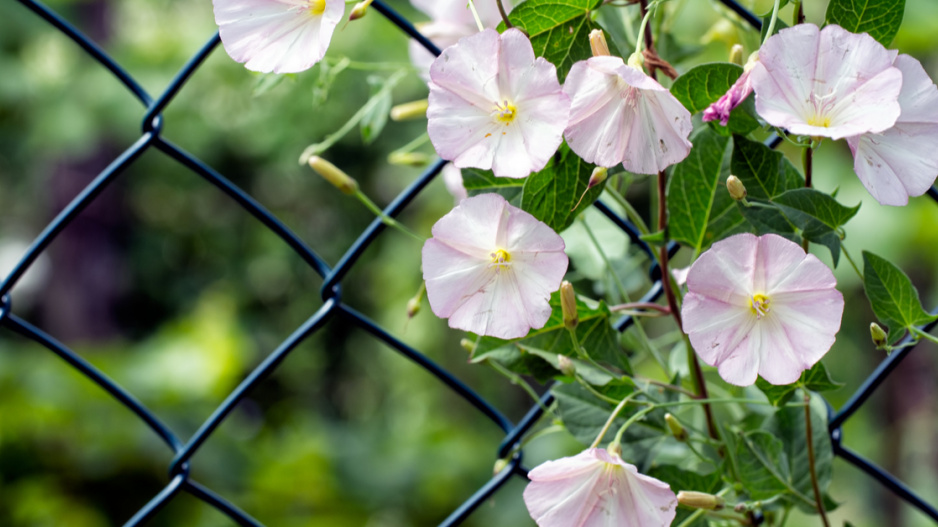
500,259
504,112
317,7
759,305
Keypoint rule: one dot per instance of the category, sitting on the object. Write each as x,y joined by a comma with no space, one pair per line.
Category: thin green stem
413,145
475,15
852,263
924,334
635,417
612,418
641,30
592,390
772,22
517,380
387,220
630,211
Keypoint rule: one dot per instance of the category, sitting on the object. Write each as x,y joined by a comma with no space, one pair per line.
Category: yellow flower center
500,259
759,304
316,7
505,112
820,120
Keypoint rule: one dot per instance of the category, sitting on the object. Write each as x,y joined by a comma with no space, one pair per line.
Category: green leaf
766,218
703,85
551,194
693,187
764,172
880,18
559,29
766,20
818,215
762,465
788,425
588,372
679,480
484,182
376,116
594,332
816,379
894,299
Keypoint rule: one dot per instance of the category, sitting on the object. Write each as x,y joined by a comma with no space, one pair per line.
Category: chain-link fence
185,449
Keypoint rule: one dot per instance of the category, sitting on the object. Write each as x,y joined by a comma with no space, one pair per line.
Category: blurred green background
176,293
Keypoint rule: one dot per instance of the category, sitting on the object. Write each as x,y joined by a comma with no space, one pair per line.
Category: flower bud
413,307
636,60
878,335
359,10
334,175
500,465
468,345
410,110
568,305
677,430
700,500
565,365
411,159
736,54
736,188
598,43
599,175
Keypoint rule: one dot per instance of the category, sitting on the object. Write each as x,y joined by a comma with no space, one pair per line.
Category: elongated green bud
598,176
878,335
568,305
334,175
677,430
467,345
700,500
736,188
359,10
411,159
410,110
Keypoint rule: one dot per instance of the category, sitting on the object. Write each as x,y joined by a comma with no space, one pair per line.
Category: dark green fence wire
185,449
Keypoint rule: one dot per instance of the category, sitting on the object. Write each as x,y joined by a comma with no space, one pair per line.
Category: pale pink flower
597,489
733,97
902,162
490,268
760,305
826,83
621,115
494,106
280,36
450,20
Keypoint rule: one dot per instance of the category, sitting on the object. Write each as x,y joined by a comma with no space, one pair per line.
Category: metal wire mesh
184,449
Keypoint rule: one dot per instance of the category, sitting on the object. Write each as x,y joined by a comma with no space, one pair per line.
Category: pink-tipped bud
413,307
598,43
410,110
736,54
736,188
878,335
568,305
566,366
359,10
700,500
334,175
677,430
598,176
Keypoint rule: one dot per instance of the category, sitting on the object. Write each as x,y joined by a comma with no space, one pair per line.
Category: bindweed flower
452,178
760,305
826,83
734,97
594,489
490,268
494,106
901,162
450,20
620,115
280,36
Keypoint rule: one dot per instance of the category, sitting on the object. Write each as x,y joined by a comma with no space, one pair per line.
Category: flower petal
280,36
